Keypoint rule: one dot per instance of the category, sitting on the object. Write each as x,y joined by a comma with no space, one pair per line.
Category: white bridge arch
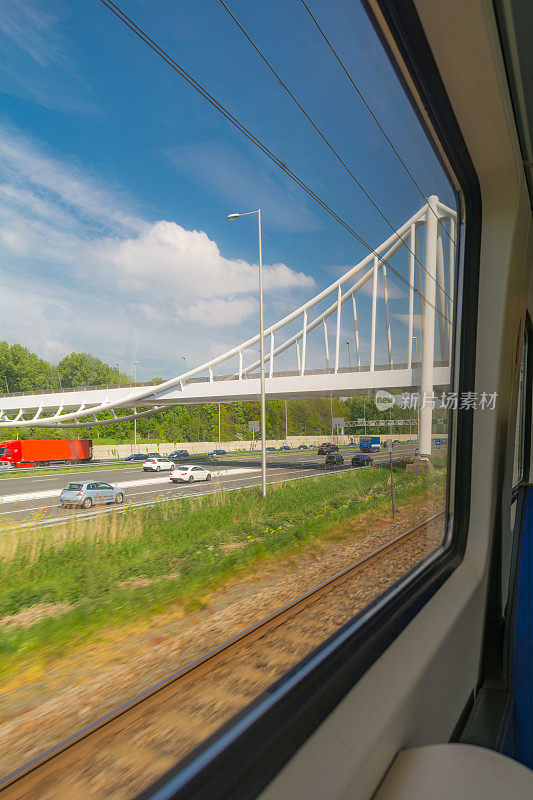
79,408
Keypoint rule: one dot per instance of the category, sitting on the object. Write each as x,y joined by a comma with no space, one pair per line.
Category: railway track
123,752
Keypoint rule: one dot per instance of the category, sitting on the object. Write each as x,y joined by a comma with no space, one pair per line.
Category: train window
241,236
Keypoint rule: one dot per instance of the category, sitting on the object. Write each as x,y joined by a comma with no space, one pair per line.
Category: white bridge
228,378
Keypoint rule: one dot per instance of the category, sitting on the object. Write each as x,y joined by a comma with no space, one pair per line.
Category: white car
157,464
189,473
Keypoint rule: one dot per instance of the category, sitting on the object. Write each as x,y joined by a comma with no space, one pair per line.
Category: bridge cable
369,109
111,6
328,143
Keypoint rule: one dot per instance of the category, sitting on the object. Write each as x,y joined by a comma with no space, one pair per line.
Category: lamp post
349,357
415,339
135,410
231,218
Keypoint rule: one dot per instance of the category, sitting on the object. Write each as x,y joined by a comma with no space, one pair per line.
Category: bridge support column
428,341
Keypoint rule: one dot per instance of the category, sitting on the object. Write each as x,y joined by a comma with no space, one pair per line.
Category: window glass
136,188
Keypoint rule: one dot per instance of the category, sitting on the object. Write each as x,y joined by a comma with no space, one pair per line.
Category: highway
35,498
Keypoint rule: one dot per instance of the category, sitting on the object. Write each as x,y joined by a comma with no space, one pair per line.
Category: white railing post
412,245
387,323
326,346
354,307
298,355
210,375
428,339
337,341
304,342
271,365
373,330
441,298
240,365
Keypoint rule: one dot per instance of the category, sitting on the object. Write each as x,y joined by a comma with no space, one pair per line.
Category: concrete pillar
428,341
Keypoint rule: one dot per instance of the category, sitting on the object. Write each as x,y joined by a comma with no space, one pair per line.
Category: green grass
187,540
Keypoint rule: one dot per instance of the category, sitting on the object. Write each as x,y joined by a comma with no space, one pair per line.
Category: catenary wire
369,109
111,6
328,143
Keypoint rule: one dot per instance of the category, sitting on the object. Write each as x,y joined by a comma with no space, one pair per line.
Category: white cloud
221,311
35,62
405,319
51,186
91,274
188,263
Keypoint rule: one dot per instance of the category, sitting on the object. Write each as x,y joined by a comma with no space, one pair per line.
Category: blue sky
116,177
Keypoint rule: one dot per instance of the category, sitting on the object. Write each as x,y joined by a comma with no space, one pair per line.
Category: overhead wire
370,111
141,34
327,142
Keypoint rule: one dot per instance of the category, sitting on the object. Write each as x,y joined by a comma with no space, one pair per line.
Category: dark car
302,447
396,441
326,448
152,455
218,453
136,457
284,447
362,461
334,460
270,449
178,454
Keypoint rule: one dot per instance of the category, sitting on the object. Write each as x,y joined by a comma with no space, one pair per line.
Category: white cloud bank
84,244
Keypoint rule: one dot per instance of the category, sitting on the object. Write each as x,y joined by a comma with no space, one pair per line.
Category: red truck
42,452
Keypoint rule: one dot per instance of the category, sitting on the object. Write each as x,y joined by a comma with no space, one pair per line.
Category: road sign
253,425
338,422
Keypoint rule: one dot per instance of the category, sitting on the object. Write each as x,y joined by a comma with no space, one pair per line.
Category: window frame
246,753
526,452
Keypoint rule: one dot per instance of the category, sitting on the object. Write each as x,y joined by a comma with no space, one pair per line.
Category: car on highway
218,453
157,464
153,455
177,454
362,461
396,441
189,473
302,447
270,449
136,457
326,448
334,460
90,493
284,447
6,465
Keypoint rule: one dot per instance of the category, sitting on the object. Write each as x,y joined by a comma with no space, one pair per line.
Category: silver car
90,493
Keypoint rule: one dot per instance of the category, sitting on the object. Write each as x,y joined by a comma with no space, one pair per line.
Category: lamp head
231,217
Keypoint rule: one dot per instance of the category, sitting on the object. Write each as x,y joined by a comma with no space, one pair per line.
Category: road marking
14,498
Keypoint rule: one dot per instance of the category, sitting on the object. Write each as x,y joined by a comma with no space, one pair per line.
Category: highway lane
33,497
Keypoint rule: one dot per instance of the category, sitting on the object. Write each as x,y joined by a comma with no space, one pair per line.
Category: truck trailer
25,453
369,444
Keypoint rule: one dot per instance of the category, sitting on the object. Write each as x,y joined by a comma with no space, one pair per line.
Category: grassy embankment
111,570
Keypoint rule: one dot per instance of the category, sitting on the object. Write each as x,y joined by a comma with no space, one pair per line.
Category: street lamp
231,218
349,357
135,410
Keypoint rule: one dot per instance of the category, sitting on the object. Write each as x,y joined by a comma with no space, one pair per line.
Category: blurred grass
182,550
